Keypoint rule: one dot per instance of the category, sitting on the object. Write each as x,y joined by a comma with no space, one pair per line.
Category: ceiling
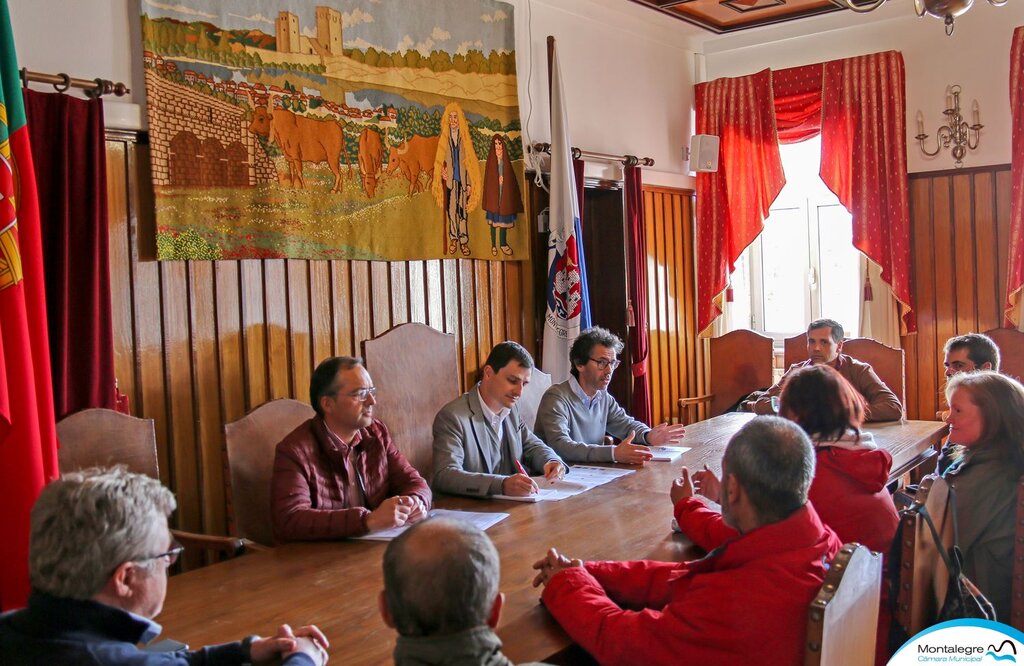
723,16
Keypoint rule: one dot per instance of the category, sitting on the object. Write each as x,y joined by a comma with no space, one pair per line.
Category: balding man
746,602
99,549
441,595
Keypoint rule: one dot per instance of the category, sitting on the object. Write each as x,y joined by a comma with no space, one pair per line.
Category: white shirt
497,420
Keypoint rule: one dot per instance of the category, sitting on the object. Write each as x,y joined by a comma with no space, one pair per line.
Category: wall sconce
956,131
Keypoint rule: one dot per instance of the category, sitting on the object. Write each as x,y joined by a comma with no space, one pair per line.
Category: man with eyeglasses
99,549
339,474
575,416
481,445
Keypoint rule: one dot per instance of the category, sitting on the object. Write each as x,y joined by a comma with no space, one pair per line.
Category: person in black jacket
99,549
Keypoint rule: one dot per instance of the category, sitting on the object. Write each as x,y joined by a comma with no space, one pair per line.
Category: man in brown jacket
825,345
339,474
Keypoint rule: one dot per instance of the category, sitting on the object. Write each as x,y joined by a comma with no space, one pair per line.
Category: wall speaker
704,152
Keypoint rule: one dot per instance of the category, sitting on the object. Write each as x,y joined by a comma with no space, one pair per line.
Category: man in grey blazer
481,445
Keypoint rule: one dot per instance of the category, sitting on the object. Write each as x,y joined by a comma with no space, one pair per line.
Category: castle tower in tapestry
328,29
288,32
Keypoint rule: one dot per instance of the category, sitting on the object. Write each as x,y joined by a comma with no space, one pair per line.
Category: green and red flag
28,438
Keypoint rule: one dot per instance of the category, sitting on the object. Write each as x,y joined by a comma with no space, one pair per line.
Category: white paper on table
481,520
667,453
597,476
549,491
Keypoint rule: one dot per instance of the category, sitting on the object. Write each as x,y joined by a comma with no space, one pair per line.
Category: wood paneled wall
960,223
198,344
677,356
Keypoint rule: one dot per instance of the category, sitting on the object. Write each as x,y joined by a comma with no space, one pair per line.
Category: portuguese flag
28,439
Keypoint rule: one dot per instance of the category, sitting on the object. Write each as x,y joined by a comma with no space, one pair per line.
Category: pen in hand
522,470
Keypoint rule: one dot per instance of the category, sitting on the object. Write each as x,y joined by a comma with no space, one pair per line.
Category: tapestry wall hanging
334,129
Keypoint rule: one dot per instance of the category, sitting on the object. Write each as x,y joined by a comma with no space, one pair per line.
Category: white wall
976,56
626,68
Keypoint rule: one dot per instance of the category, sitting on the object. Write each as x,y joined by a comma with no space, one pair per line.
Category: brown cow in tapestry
302,139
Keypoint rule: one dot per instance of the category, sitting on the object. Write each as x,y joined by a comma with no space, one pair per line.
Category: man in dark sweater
99,550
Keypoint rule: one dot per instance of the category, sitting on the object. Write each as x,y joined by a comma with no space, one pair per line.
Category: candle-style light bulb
920,122
976,112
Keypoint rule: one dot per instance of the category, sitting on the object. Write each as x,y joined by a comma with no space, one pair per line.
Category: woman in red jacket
848,490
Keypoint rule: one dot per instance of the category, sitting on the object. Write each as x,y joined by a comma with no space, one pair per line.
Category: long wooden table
336,585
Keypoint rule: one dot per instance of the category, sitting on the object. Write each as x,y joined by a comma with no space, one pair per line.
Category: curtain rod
61,82
625,160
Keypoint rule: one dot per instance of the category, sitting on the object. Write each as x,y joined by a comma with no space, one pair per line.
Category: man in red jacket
339,474
744,603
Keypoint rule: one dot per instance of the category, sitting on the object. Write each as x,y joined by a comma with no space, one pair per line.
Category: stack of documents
581,479
668,453
481,520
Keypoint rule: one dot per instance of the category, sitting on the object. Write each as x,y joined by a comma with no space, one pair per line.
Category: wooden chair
1017,600
887,362
741,362
415,369
794,350
923,578
103,438
250,456
1011,351
529,402
842,622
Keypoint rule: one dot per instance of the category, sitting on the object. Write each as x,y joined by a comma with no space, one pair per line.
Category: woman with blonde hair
456,187
982,464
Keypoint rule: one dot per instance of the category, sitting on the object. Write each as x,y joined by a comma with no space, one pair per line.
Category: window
803,266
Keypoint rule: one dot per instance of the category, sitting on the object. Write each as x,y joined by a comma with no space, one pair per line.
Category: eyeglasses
171,555
603,363
363,394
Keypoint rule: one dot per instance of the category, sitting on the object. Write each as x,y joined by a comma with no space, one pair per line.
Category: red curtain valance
862,120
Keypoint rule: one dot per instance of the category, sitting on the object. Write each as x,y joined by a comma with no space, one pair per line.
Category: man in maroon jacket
339,474
745,603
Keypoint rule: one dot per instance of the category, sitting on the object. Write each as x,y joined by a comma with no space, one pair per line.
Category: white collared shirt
588,401
497,420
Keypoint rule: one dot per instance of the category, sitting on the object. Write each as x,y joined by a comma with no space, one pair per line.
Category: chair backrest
794,350
250,449
415,369
1017,600
842,622
103,437
887,362
1011,351
741,362
923,578
529,402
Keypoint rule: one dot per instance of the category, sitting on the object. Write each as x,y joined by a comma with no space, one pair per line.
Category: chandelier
947,10
956,134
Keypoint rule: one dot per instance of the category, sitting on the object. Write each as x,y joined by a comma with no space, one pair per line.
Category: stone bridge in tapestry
204,142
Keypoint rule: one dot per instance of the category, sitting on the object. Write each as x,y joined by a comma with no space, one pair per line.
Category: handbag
963,598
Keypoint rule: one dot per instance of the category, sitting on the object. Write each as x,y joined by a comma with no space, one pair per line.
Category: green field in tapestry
208,223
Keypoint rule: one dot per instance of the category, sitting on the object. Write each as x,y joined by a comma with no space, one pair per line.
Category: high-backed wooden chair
794,350
741,362
1011,351
842,622
1017,600
250,449
529,401
887,362
415,369
923,577
103,438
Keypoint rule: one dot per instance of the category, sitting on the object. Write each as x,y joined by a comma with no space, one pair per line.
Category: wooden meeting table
335,585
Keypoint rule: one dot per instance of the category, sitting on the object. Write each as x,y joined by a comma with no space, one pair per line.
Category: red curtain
68,151
864,161
733,202
1015,270
640,338
858,106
